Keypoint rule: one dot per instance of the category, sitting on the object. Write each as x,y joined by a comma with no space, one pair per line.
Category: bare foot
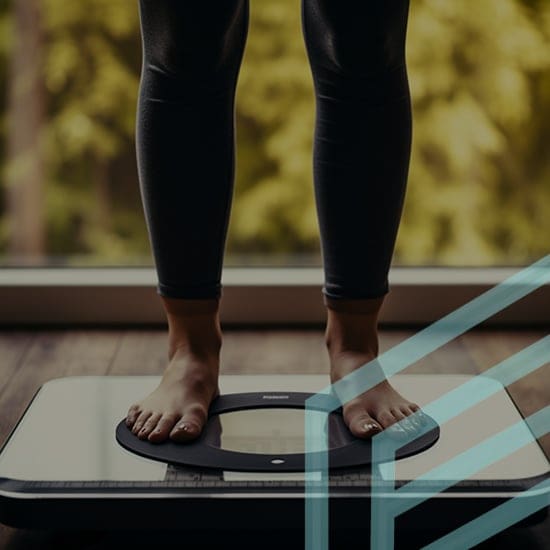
178,407
352,341
376,409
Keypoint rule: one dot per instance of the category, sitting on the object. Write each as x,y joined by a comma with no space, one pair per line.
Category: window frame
251,296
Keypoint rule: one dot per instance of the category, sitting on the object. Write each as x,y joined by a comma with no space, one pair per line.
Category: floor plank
140,352
274,352
13,347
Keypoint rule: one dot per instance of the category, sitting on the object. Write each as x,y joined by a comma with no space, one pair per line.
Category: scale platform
63,466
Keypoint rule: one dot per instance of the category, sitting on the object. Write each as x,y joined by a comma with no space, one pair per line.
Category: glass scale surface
62,464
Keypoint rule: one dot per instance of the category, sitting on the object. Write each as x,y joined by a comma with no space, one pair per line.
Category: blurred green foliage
479,180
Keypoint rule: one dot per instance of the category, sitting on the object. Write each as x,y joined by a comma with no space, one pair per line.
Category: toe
133,412
418,414
190,425
421,417
149,425
385,418
163,428
185,431
388,420
402,418
363,425
412,417
141,419
397,413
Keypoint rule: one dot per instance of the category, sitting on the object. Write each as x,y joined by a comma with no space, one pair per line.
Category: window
478,190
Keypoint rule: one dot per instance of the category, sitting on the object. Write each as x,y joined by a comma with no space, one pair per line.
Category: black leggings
185,139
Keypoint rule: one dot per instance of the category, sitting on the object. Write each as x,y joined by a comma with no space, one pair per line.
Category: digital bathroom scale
62,464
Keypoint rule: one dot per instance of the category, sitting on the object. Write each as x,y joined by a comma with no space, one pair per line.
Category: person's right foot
178,407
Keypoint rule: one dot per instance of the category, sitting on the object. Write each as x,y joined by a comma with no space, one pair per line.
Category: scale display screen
271,431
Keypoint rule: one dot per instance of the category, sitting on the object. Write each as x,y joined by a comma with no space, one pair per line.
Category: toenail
369,427
156,431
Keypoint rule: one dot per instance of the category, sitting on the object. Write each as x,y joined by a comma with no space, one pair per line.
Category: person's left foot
352,341
376,409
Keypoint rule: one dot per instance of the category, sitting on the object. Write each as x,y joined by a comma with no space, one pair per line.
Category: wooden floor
29,358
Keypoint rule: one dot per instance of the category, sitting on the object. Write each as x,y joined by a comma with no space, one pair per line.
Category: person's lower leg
185,150
362,148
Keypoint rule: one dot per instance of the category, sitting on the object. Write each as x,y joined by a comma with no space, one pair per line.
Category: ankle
341,344
198,337
352,327
193,327
349,348
339,348
204,349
